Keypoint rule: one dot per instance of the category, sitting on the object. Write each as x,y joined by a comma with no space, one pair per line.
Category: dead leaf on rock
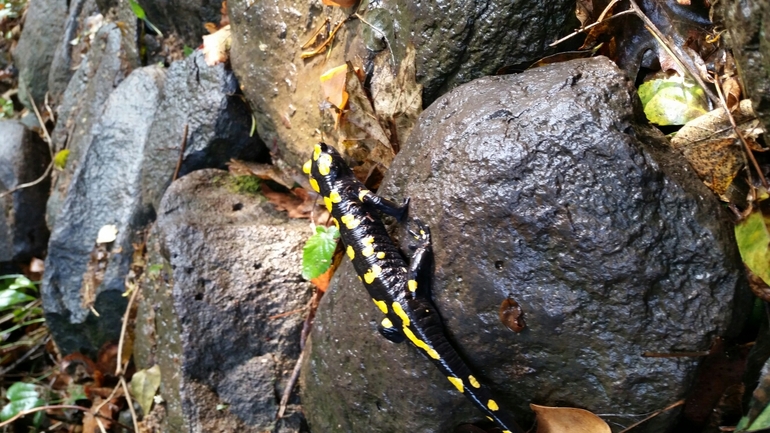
298,203
340,3
567,420
361,112
216,46
713,150
397,97
333,86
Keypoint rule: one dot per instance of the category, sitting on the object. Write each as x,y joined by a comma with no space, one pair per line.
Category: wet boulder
546,188
222,307
284,87
24,158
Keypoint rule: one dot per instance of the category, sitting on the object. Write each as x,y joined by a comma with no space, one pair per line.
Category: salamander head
325,166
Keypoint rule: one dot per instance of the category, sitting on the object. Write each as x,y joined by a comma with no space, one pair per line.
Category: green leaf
10,298
672,101
60,159
23,396
762,422
144,385
22,282
187,50
753,240
318,251
6,107
137,9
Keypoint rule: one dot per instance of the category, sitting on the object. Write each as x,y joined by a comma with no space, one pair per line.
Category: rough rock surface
111,59
104,190
42,30
24,157
284,89
231,263
218,125
548,188
746,22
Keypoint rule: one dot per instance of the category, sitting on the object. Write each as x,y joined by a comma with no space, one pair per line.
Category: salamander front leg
419,273
383,205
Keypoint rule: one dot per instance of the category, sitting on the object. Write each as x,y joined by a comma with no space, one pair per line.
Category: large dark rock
212,317
111,59
746,22
105,189
43,27
549,188
218,124
456,41
24,158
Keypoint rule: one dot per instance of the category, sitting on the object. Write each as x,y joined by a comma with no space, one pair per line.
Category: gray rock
746,22
43,27
547,187
285,91
24,157
219,125
111,59
104,190
230,263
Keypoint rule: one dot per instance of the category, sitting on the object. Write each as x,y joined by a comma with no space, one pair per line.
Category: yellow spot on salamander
328,203
369,240
380,255
351,253
412,284
492,405
350,221
314,185
368,251
334,196
316,152
490,418
306,168
381,305
457,382
324,164
336,223
473,381
386,323
362,194
400,313
372,273
506,431
419,343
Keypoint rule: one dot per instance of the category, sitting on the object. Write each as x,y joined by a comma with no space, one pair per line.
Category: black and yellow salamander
409,312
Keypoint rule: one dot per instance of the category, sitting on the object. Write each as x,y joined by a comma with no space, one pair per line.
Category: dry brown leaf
711,147
732,91
298,203
333,86
340,3
567,420
216,46
360,111
397,98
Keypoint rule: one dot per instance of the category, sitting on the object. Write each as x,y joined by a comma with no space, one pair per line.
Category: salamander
399,290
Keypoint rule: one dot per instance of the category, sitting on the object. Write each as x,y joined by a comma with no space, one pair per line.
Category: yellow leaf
216,46
567,420
60,159
333,86
340,3
144,385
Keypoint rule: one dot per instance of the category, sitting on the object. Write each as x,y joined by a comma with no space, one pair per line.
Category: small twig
746,147
130,403
107,400
311,40
288,313
654,414
47,140
590,26
52,407
101,426
120,368
290,385
23,357
181,153
384,36
321,48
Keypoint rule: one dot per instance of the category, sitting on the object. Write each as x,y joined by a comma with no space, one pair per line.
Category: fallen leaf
753,238
144,385
298,203
397,97
567,420
361,112
672,101
216,46
333,86
732,91
340,3
711,147
108,233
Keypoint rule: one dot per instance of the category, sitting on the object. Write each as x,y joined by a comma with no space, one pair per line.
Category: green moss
244,184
